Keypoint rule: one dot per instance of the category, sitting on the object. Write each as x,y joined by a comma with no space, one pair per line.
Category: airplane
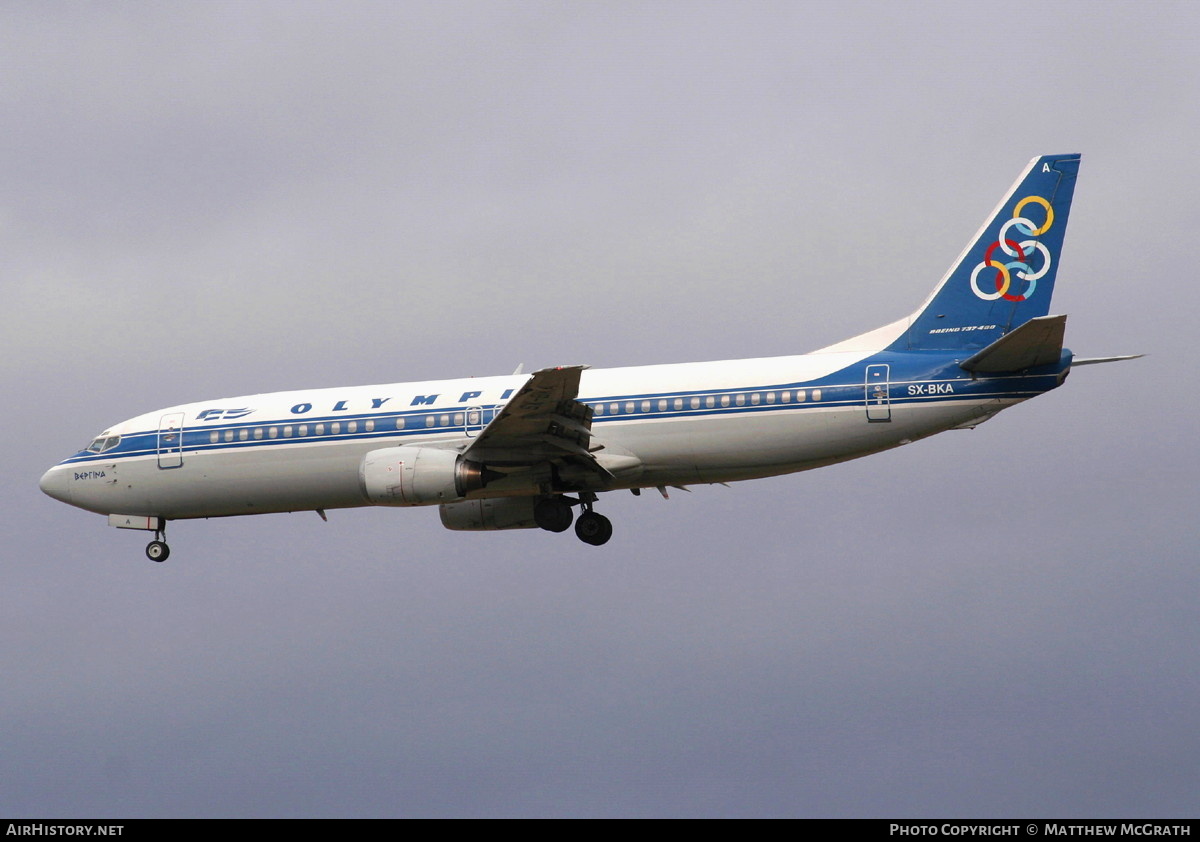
522,451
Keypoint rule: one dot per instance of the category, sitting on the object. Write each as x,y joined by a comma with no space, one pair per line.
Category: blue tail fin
1006,275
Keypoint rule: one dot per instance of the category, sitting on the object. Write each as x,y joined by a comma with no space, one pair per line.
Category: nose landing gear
157,550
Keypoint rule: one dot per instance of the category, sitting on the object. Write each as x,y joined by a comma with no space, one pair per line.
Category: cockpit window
103,442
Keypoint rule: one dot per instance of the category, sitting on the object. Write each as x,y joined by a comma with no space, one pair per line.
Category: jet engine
418,476
491,513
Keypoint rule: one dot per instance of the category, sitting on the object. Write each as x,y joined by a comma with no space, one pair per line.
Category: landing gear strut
157,550
592,527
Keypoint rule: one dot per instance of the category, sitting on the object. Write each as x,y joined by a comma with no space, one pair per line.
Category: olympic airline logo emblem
1023,251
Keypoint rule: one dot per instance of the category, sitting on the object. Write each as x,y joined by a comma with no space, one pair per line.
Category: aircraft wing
542,422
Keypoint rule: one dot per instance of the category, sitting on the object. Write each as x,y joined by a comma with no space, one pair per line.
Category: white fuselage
682,423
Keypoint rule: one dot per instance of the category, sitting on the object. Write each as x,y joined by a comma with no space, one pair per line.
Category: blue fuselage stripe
922,386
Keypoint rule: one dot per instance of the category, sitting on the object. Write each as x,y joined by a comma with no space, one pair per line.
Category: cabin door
878,400
170,440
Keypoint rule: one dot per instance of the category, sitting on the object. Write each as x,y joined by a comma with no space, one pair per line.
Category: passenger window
302,430
816,394
695,403
800,396
273,432
351,426
724,400
710,401
740,400
445,420
319,430
614,408
369,425
243,434
258,432
598,409
399,423
430,420
458,419
770,397
229,435
755,398
645,406
662,406
679,403
214,437
785,397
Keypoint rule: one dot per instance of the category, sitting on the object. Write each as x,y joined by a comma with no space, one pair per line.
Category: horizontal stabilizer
1096,360
1037,342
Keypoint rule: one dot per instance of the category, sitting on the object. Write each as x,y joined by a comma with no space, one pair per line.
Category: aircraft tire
157,551
593,528
553,515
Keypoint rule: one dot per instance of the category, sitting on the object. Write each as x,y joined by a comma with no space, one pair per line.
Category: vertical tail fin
1006,275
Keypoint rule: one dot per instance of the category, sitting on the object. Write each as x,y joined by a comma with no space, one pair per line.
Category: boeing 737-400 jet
525,450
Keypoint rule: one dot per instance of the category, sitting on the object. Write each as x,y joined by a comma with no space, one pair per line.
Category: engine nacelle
491,513
417,476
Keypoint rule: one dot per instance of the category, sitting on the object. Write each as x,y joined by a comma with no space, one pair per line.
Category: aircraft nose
55,484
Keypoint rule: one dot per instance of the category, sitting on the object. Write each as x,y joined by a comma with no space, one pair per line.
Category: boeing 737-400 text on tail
522,451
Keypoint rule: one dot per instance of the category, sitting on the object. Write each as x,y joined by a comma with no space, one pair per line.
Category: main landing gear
157,550
593,528
554,515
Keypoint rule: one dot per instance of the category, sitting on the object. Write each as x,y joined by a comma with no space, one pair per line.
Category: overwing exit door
473,421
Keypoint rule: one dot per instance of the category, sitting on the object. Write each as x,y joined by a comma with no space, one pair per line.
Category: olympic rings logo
1022,251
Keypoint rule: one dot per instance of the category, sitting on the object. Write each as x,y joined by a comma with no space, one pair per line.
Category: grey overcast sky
222,198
